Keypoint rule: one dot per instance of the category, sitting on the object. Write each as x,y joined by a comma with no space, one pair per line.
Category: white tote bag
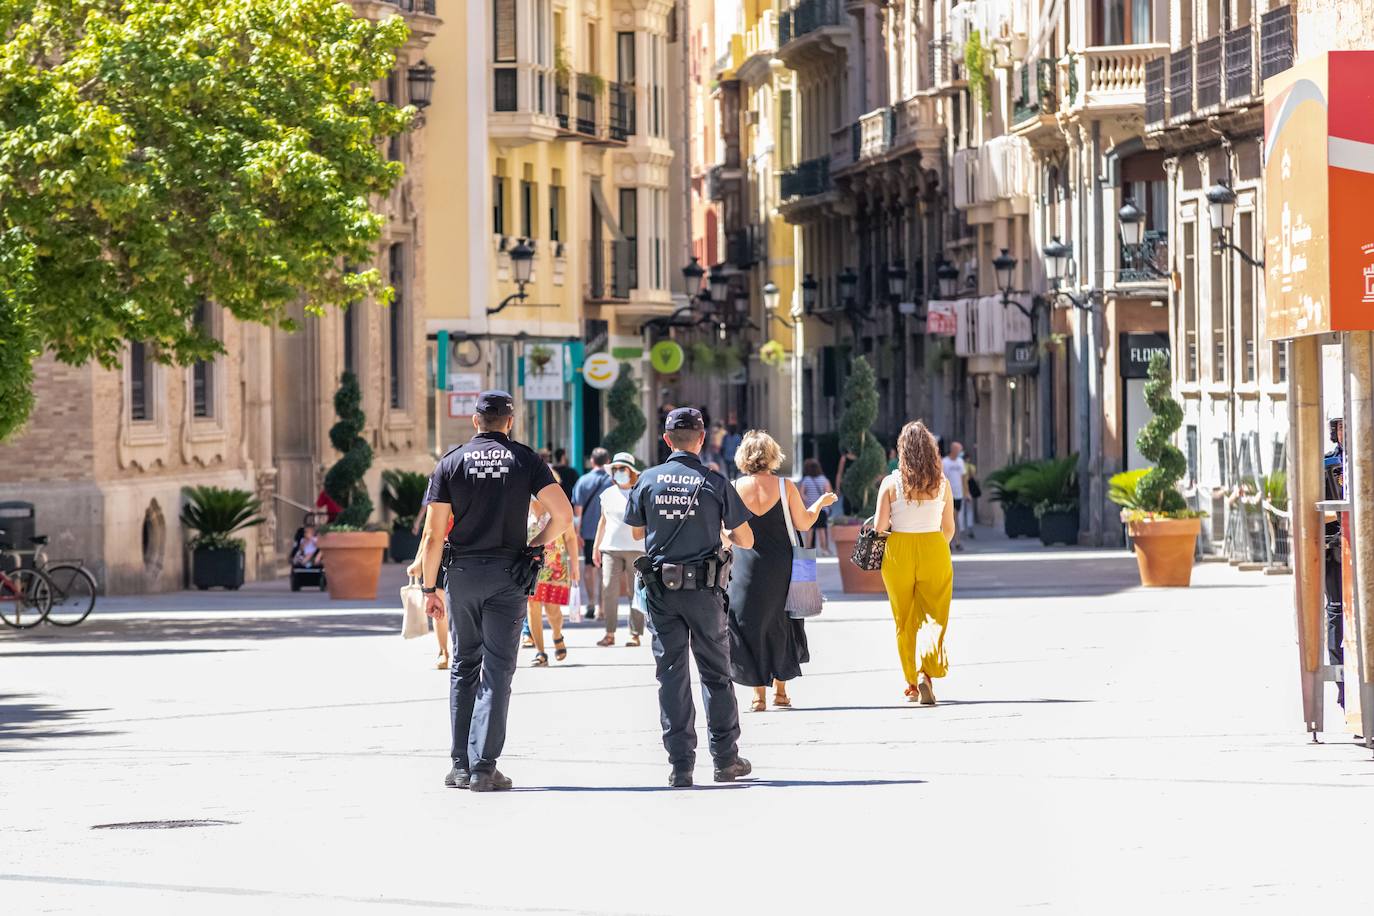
414,622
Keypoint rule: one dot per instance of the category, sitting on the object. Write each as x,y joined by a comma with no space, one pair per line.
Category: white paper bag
414,622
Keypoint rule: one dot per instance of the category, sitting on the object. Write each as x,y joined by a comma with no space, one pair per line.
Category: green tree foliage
623,403
215,514
403,495
344,481
862,475
155,154
976,67
1157,492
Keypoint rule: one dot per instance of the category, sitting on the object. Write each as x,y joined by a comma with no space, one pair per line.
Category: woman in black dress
766,645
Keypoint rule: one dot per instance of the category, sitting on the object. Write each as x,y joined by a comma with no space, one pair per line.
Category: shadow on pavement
22,721
110,653
137,629
889,706
740,784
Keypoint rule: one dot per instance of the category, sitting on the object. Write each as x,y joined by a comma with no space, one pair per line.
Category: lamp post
420,88
1134,244
1221,209
522,265
771,296
1004,265
1056,261
947,276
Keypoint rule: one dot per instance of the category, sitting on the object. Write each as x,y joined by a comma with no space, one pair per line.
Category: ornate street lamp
948,276
809,287
896,282
771,297
720,284
849,284
1132,223
1056,261
692,275
1221,209
522,266
420,84
1005,265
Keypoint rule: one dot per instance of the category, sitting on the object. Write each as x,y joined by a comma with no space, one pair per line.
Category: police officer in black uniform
680,509
485,486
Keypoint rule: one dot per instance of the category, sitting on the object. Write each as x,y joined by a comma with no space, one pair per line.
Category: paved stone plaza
1098,749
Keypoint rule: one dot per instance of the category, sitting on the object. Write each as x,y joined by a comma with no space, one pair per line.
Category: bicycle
70,586
25,598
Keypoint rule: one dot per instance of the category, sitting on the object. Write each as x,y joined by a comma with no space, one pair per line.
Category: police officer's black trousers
486,611
1335,622
694,620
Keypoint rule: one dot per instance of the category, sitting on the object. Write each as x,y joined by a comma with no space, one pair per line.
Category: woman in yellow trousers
915,506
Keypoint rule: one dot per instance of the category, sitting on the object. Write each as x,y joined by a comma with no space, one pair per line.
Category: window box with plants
403,495
1018,515
1161,527
862,475
352,554
216,515
1050,488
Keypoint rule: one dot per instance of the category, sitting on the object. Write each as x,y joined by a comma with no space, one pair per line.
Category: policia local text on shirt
680,509
485,486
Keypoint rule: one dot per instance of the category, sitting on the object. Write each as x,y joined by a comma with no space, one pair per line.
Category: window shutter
504,22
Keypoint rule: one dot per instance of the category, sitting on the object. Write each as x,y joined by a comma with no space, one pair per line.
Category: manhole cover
161,825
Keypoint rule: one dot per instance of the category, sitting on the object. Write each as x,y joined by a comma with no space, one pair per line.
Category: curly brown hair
918,461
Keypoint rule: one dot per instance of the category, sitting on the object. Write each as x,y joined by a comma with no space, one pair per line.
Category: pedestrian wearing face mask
615,550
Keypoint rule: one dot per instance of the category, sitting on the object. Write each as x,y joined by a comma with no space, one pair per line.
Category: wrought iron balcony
594,109
1147,261
414,6
808,16
1240,63
1156,72
946,62
1181,83
1276,41
806,179
1208,73
611,269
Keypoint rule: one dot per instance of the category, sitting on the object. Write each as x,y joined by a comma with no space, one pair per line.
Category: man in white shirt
956,474
615,549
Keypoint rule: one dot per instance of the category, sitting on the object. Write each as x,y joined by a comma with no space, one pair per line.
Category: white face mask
621,476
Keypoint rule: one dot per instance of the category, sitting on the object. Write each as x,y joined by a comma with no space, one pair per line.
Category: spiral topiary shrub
1157,494
862,475
344,481
623,404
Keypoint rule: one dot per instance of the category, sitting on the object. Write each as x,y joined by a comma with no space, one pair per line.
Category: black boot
489,782
457,778
729,773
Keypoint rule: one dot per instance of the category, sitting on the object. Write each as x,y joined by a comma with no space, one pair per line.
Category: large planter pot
1059,528
404,545
352,563
856,581
1164,550
1019,521
216,568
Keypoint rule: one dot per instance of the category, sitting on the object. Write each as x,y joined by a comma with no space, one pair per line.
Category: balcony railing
1208,76
611,269
1109,76
1240,63
808,16
1147,261
603,110
414,6
1181,83
915,119
946,63
1155,111
588,103
805,179
622,111
1276,41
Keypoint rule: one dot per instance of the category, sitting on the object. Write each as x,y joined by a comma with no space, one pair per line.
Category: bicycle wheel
25,598
73,593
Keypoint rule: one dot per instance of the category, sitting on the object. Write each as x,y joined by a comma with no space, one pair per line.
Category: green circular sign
667,357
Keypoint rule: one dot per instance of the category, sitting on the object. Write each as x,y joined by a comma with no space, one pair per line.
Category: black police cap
495,403
684,418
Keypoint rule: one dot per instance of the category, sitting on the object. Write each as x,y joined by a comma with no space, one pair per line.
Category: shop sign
543,372
463,388
667,357
600,370
941,319
1023,358
1137,350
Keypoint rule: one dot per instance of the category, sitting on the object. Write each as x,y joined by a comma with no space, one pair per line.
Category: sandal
560,651
782,701
607,640
527,642
634,642
758,705
926,693
910,693
541,660
442,663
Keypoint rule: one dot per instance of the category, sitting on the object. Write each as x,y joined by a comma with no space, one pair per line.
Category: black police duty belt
683,577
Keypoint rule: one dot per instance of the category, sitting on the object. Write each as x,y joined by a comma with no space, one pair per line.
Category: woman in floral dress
552,591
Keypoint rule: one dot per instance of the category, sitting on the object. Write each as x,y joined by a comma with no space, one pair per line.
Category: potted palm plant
1051,489
403,495
1162,527
215,515
1018,516
1121,490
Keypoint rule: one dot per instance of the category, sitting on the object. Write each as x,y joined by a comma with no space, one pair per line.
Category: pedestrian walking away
956,472
586,503
767,647
485,488
553,588
814,484
614,551
915,506
682,511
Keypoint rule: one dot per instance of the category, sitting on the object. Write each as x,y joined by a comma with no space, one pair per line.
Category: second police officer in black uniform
485,486
681,509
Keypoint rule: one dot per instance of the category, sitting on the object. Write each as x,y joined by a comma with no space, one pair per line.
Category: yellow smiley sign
601,370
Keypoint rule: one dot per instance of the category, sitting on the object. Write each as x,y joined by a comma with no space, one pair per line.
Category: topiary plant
1157,492
344,481
623,403
864,473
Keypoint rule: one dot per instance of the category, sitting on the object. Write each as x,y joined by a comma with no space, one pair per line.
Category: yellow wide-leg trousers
920,583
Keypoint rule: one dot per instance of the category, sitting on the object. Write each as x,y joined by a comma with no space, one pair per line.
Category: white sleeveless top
921,516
